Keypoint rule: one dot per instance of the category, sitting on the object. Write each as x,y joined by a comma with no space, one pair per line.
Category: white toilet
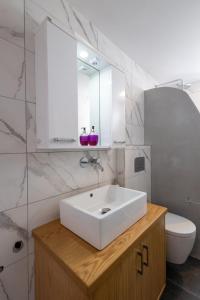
180,237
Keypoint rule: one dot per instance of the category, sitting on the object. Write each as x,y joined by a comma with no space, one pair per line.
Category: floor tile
173,292
186,275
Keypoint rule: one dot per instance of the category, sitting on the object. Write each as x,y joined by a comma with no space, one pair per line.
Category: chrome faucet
92,161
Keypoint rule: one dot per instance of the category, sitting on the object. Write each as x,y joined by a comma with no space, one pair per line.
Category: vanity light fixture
83,54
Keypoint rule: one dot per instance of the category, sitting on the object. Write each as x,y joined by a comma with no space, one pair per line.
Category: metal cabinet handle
140,271
63,140
146,250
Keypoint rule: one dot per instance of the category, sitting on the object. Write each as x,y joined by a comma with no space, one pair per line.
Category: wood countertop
86,264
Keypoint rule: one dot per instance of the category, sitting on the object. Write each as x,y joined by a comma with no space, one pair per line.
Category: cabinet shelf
78,148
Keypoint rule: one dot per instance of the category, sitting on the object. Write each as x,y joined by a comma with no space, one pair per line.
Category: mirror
88,97
89,67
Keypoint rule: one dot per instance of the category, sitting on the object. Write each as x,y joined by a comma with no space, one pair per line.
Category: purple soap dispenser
84,137
93,137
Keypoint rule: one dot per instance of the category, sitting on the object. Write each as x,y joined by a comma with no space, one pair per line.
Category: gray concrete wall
172,128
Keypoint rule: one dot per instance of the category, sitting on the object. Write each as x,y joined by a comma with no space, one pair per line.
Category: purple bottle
84,137
93,138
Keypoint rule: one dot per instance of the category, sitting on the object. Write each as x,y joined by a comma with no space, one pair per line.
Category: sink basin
100,215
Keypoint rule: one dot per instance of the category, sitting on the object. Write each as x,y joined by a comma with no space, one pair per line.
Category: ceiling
163,36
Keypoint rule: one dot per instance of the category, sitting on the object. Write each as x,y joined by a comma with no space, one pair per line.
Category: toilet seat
179,226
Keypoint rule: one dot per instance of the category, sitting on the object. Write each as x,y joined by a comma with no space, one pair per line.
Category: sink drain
104,210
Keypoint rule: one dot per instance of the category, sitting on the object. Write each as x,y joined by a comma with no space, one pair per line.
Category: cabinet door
124,282
154,262
140,274
118,108
56,87
62,82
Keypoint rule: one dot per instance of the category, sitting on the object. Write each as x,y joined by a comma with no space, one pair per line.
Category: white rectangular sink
100,215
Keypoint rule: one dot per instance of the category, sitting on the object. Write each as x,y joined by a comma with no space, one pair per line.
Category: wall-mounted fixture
91,161
177,83
139,164
18,246
75,87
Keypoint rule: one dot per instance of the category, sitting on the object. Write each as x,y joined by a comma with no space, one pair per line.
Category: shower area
172,128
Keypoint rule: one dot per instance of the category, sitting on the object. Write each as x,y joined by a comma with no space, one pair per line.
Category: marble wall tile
12,21
12,71
113,54
108,161
134,112
129,84
82,28
126,174
40,213
55,8
77,24
139,101
51,174
131,153
12,126
13,182
13,228
34,15
14,281
63,15
136,82
30,76
140,180
135,118
134,135
120,165
141,78
137,182
31,127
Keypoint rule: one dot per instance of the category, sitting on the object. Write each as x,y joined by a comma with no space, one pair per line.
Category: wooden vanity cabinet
133,267
124,282
140,274
152,281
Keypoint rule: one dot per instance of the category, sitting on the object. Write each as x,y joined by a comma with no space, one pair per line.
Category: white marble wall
126,175
31,184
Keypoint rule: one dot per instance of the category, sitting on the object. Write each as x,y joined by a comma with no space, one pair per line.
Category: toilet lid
179,226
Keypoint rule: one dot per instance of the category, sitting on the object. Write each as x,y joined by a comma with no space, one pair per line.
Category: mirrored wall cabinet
80,97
